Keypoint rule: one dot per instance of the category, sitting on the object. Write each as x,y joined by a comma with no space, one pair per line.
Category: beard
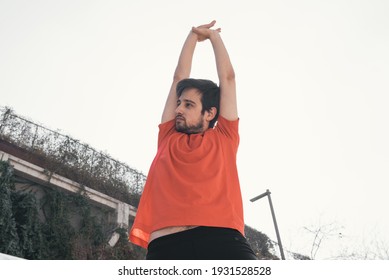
181,126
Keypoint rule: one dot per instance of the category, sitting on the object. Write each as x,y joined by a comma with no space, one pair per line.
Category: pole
275,225
267,193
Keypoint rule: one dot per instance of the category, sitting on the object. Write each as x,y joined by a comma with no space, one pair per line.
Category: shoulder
165,129
229,128
224,124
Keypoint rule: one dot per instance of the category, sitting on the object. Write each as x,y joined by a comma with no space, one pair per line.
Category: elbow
228,75
231,75
181,73
177,78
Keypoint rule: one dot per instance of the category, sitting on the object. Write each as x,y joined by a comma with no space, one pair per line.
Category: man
191,206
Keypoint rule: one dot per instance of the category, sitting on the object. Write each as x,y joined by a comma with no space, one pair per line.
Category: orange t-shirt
193,181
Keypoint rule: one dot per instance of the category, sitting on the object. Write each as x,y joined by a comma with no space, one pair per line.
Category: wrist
214,35
192,33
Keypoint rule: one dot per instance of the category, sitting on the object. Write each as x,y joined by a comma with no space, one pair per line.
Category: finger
212,23
208,25
197,31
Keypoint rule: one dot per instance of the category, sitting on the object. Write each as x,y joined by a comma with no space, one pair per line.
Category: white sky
313,96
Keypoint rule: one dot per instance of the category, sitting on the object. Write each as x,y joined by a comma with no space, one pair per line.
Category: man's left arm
225,71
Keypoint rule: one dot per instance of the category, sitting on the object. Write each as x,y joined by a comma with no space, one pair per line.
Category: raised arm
182,71
225,71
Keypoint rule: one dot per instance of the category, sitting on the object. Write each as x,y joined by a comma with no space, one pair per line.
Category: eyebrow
187,100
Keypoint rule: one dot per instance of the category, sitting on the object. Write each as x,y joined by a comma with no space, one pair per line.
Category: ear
210,114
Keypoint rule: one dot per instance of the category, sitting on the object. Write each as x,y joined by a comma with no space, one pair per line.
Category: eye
187,105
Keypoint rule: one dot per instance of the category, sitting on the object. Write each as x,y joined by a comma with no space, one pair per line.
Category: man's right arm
182,72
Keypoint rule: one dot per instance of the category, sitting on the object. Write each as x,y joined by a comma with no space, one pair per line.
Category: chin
179,128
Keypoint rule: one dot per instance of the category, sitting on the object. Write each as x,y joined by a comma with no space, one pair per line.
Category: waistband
196,232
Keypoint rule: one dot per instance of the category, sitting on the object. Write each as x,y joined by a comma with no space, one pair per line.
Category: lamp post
267,193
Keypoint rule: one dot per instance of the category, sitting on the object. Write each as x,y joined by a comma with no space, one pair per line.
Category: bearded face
189,116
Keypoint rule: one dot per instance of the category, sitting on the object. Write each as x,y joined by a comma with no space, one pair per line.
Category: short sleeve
229,129
165,129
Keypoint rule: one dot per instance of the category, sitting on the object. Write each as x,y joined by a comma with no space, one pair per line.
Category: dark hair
210,94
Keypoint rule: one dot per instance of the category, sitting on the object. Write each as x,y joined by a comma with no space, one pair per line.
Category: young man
191,206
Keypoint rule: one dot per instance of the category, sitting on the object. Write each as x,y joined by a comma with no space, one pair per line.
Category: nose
178,110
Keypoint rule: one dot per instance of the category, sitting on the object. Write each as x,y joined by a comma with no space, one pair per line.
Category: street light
267,193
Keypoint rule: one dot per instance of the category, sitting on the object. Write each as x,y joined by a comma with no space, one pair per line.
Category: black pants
201,243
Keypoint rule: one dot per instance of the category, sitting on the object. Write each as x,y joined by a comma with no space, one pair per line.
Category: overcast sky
313,97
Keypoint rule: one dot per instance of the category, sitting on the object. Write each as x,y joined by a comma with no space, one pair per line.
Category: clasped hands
204,31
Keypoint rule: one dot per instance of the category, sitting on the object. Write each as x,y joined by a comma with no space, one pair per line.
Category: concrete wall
30,177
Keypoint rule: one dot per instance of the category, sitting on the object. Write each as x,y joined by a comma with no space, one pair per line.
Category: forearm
184,64
224,67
